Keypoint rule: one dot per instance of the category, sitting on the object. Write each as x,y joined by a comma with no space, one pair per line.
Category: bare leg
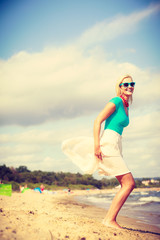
127,185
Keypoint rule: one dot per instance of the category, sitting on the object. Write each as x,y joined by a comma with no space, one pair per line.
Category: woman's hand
103,115
98,153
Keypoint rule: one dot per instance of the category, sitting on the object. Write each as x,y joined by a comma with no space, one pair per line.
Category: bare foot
112,224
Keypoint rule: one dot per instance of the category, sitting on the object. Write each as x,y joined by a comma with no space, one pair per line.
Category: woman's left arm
103,115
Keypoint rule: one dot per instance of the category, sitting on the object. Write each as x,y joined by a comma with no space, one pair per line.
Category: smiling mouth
129,90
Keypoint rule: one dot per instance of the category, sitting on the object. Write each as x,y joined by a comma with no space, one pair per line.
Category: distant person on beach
23,189
42,187
104,153
108,148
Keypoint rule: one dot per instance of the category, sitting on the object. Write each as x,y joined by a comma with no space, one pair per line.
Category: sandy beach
36,216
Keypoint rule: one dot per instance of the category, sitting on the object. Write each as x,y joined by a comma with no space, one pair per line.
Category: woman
108,149
107,156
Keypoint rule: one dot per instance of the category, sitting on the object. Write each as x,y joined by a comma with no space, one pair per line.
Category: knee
130,185
127,182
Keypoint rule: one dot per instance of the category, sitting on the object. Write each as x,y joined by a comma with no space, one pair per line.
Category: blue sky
59,61
33,25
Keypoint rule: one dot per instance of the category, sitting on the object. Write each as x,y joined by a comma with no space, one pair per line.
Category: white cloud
18,150
141,145
68,85
60,165
144,125
153,163
41,148
106,30
65,82
19,160
36,87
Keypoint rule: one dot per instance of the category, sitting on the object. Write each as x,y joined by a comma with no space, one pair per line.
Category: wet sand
44,216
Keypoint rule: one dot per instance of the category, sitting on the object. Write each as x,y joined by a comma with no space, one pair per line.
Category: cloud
18,150
141,145
106,31
41,148
144,125
57,93
64,82
56,165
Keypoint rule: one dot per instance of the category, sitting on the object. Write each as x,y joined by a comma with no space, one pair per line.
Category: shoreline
43,216
140,214
124,218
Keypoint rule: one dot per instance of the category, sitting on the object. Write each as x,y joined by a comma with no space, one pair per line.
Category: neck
125,97
125,100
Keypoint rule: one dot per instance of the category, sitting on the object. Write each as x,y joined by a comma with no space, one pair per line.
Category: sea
143,206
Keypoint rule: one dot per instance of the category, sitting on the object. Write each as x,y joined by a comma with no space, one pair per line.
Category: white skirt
81,151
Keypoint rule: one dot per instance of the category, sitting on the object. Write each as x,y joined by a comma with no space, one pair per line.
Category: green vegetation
59,180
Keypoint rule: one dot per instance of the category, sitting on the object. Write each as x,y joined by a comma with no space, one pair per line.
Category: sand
38,216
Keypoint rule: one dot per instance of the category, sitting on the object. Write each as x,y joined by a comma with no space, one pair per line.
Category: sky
59,63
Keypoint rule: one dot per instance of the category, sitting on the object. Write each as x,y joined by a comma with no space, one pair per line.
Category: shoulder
116,100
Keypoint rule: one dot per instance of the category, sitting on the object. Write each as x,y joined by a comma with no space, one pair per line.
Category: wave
144,193
150,199
137,199
96,200
140,193
135,203
144,206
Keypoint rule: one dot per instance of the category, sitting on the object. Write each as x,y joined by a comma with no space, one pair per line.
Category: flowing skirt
81,151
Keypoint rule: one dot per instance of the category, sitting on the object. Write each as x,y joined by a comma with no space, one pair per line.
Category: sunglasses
126,84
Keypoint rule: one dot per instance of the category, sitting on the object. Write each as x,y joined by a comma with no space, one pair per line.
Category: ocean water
143,206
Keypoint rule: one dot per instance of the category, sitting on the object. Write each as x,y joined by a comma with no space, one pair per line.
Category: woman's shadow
141,231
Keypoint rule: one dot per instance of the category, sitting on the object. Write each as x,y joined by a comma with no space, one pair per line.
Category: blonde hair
118,89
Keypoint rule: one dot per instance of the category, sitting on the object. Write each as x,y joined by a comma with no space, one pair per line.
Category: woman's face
128,91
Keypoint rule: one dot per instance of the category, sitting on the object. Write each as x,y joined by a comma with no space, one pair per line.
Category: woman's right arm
103,115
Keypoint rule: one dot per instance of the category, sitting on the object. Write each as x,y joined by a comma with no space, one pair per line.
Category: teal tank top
119,119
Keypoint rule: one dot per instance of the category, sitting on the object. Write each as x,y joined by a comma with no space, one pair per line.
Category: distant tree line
23,175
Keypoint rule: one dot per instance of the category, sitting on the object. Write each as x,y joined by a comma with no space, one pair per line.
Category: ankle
109,220
111,223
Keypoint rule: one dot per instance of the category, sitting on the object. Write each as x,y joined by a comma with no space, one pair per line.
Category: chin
129,93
